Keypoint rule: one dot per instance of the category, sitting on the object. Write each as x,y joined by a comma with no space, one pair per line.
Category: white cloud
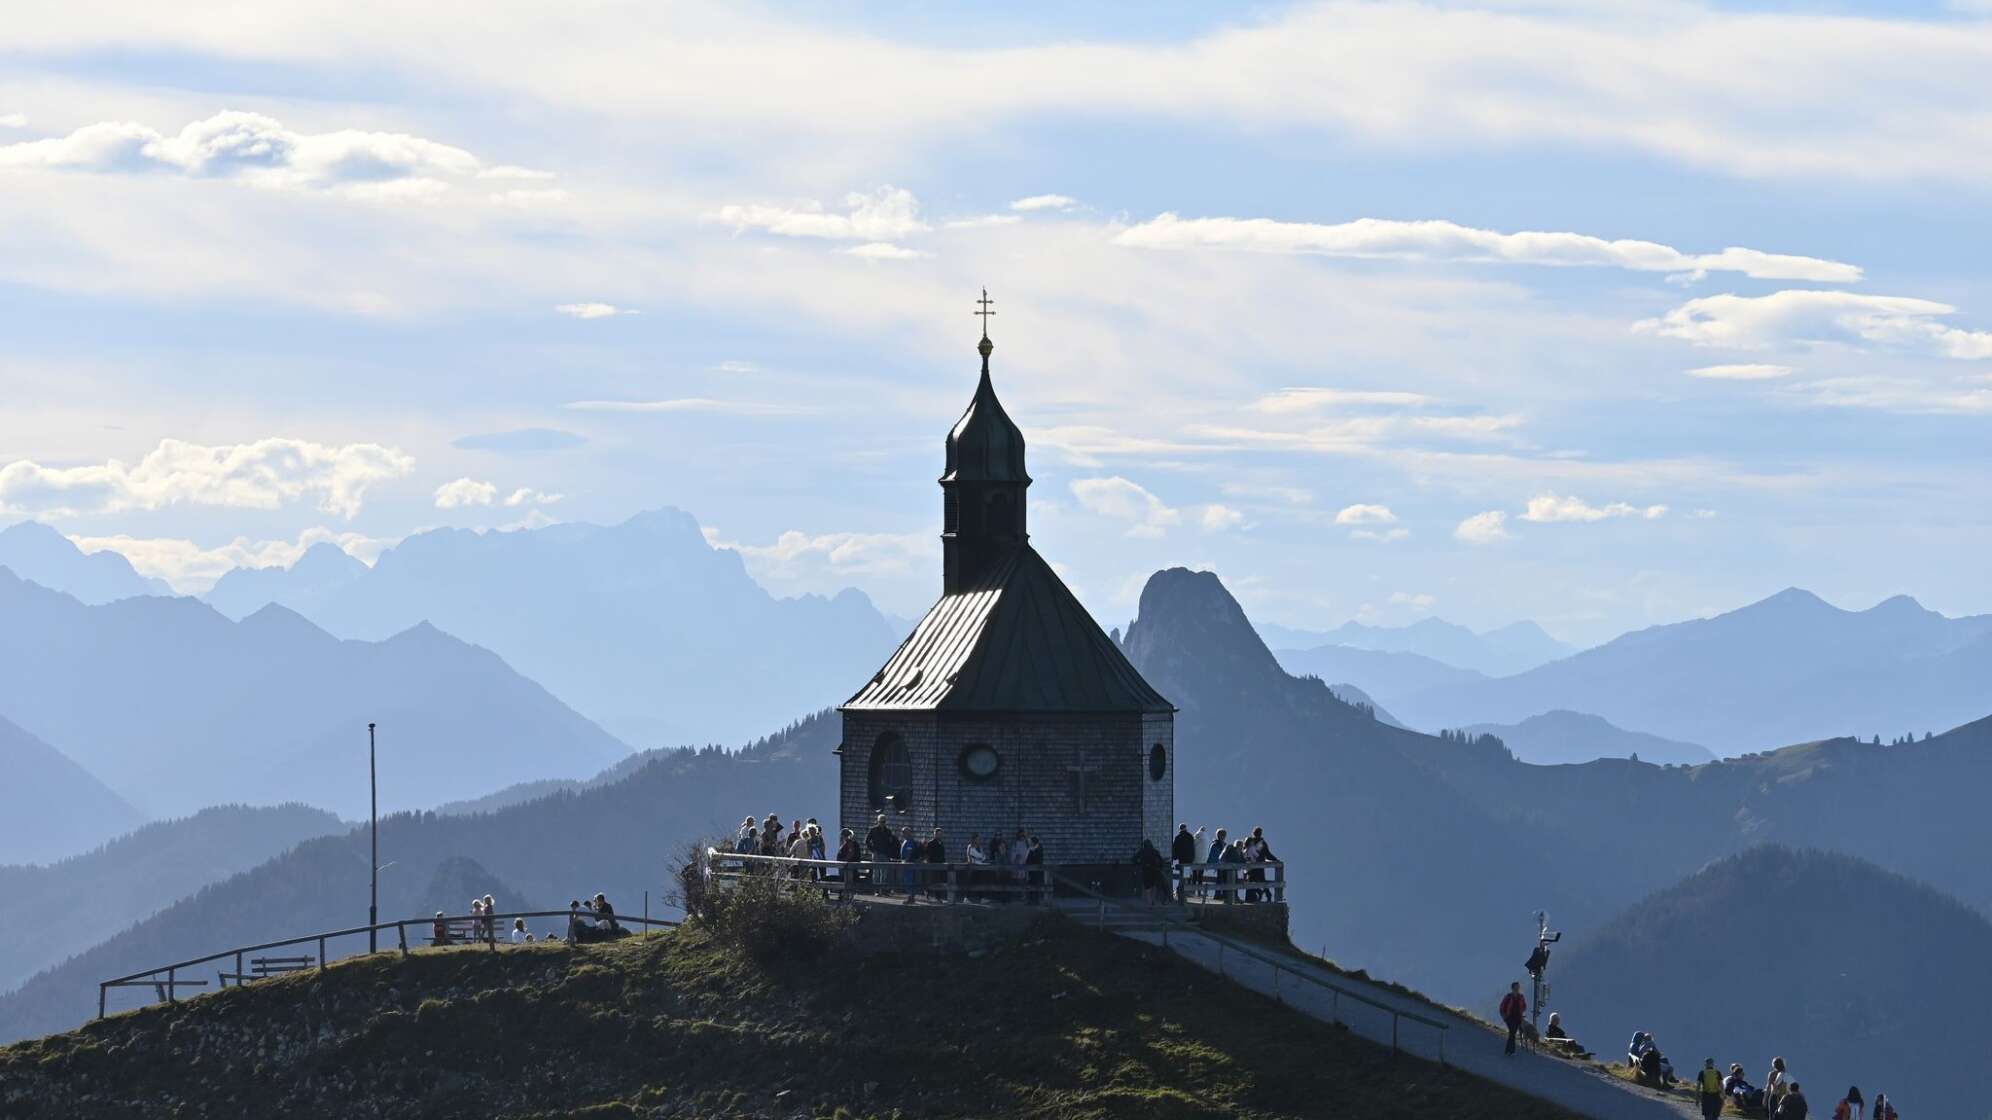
1744,371
1044,202
796,556
886,214
524,198
885,251
1118,499
1365,515
526,496
1308,399
1483,528
1378,238
191,569
1384,536
1811,317
692,404
1418,601
258,150
260,475
1551,507
593,310
981,221
1217,518
13,120
465,492
737,366
1891,394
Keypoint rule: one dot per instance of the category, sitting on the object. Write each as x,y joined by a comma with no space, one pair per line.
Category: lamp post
373,858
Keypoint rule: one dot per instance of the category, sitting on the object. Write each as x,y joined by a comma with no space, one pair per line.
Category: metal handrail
1277,965
149,978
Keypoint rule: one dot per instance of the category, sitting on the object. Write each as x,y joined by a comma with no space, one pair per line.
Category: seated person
580,925
1648,1068
1737,1088
1637,1048
441,933
1558,1039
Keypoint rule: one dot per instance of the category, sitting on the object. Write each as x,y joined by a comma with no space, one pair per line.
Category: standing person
1882,1109
1034,868
1234,854
911,851
1020,857
747,840
1218,847
1851,1106
1514,1005
1148,858
1774,1086
1183,853
883,847
1708,1089
935,850
1793,1106
490,918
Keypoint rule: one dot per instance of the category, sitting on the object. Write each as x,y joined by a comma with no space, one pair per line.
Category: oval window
1158,762
979,762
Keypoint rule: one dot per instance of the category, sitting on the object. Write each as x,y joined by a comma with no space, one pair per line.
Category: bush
767,918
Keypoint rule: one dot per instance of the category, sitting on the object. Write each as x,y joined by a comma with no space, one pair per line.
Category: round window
1158,762
979,762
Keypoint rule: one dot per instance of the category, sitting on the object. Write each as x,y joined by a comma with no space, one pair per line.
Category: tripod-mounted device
1539,964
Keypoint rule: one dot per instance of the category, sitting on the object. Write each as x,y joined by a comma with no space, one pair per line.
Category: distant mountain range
1495,653
49,806
1564,737
1786,669
621,838
642,625
1379,673
89,898
1850,973
34,551
176,708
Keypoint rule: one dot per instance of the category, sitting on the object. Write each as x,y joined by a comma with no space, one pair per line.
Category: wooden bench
459,933
262,968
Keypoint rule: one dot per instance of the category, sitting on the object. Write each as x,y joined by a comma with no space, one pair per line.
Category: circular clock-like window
979,762
1158,762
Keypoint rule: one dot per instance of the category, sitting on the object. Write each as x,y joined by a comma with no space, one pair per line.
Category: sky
1602,315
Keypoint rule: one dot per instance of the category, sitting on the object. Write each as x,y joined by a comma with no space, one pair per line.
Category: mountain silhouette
1786,669
177,707
37,552
92,896
305,587
49,806
1852,974
1393,870
1565,736
643,625
622,838
1496,653
1379,673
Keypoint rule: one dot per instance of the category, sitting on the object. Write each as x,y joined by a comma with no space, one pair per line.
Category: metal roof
985,445
1018,640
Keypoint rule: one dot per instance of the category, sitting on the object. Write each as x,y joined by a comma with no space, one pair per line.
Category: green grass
1069,1023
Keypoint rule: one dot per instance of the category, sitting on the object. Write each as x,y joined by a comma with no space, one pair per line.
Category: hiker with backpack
1708,1089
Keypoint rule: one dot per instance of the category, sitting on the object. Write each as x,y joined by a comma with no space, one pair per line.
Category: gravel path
1469,1046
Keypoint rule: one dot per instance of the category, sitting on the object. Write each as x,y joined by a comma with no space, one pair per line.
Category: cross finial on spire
985,303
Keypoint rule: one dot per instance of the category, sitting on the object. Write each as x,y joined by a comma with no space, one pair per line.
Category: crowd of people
1780,1098
593,920
1203,865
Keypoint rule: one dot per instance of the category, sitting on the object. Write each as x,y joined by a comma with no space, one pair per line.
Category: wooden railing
166,978
1224,883
1280,967
1230,883
940,882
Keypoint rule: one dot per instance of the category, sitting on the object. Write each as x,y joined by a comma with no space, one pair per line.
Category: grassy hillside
1852,974
1069,1024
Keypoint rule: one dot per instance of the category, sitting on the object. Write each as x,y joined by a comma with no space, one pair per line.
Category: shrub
767,918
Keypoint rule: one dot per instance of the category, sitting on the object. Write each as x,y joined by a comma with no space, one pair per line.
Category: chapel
1007,707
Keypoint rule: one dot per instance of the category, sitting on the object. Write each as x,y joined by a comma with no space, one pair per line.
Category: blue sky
1262,305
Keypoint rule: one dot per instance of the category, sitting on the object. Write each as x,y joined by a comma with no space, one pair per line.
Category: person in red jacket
1514,1005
